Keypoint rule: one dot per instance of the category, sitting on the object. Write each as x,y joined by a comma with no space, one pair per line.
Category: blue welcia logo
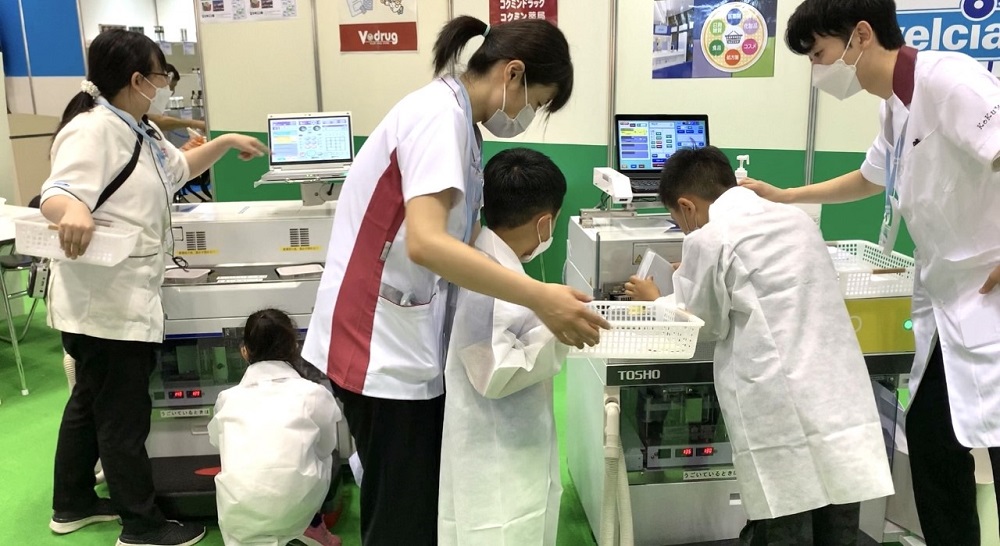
971,27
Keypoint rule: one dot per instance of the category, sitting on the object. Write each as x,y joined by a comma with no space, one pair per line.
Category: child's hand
641,289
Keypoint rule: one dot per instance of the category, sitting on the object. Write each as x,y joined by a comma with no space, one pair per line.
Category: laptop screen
311,139
643,143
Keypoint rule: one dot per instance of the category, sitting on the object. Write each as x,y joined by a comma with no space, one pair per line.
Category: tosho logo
378,37
638,375
972,28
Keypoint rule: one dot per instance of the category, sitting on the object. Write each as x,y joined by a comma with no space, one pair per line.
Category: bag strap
122,176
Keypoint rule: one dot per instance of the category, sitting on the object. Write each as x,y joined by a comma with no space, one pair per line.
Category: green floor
28,427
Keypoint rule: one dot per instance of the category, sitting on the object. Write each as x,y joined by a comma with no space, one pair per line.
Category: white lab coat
120,302
500,482
789,373
949,195
276,433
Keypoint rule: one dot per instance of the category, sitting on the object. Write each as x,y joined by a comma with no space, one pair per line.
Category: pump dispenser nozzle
741,173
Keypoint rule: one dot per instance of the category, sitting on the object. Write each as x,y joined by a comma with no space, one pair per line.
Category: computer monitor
310,139
643,142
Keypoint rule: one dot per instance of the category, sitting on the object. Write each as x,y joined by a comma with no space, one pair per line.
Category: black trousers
107,416
399,445
834,525
944,481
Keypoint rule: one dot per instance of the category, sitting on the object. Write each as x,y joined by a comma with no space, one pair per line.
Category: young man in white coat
936,160
500,483
790,376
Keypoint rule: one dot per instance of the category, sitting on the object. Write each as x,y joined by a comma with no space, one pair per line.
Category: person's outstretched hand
765,190
561,309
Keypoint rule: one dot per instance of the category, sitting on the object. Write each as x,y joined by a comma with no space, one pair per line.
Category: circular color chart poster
734,37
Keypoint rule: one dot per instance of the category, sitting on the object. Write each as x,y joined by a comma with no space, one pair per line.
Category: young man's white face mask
839,79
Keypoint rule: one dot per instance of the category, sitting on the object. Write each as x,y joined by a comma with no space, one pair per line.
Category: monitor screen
645,144
310,140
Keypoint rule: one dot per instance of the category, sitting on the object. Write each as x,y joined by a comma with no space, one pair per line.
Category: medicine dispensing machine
678,457
242,257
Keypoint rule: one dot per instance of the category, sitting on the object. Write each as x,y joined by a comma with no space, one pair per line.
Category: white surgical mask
542,245
502,126
161,99
838,79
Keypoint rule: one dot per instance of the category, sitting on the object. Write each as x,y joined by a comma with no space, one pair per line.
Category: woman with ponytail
109,163
405,220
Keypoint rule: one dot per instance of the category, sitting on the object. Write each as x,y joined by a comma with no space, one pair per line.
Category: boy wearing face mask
500,481
936,159
789,373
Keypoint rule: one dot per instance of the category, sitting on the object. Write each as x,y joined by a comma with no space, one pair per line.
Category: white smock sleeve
434,156
325,414
83,162
970,114
215,425
874,167
699,284
508,362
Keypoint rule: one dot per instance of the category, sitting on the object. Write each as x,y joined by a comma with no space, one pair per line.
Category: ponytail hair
114,56
540,45
270,335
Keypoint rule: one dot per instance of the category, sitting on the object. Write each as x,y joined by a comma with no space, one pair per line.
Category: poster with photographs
221,11
271,10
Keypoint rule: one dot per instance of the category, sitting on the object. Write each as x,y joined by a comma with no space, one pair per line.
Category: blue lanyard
140,129
474,175
892,164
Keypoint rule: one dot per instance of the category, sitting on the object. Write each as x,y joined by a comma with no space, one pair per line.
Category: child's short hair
519,184
701,172
270,334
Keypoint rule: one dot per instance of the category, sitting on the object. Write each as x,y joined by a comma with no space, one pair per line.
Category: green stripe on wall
234,181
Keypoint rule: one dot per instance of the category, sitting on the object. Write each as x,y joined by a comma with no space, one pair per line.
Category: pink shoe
319,536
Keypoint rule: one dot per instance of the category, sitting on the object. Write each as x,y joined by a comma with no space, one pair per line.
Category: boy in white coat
276,432
500,482
790,376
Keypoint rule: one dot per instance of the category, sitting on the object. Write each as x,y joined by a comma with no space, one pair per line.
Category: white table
7,215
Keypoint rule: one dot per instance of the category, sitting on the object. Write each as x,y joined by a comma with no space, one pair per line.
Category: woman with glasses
109,163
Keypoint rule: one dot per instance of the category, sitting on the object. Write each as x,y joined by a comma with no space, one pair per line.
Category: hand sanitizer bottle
741,173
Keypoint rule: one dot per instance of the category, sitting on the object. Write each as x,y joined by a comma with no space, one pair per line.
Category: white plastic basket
36,236
866,272
643,330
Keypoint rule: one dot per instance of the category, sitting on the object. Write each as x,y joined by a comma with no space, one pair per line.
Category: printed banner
505,11
378,25
962,26
714,39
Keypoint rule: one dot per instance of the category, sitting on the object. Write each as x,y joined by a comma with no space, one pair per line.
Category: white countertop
7,215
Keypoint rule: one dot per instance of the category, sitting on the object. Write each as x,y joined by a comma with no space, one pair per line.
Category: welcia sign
963,26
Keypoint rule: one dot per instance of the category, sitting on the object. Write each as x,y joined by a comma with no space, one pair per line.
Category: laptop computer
319,145
643,142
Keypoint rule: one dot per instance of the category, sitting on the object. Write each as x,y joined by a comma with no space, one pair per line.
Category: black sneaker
66,522
171,534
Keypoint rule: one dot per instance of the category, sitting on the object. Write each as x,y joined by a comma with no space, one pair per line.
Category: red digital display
706,451
194,394
686,452
173,395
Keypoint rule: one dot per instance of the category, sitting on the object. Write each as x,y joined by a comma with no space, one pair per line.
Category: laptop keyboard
651,186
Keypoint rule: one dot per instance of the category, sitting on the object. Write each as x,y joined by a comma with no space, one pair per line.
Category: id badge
890,227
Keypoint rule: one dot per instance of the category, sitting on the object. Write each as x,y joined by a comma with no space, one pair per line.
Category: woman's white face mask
839,79
502,126
160,100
